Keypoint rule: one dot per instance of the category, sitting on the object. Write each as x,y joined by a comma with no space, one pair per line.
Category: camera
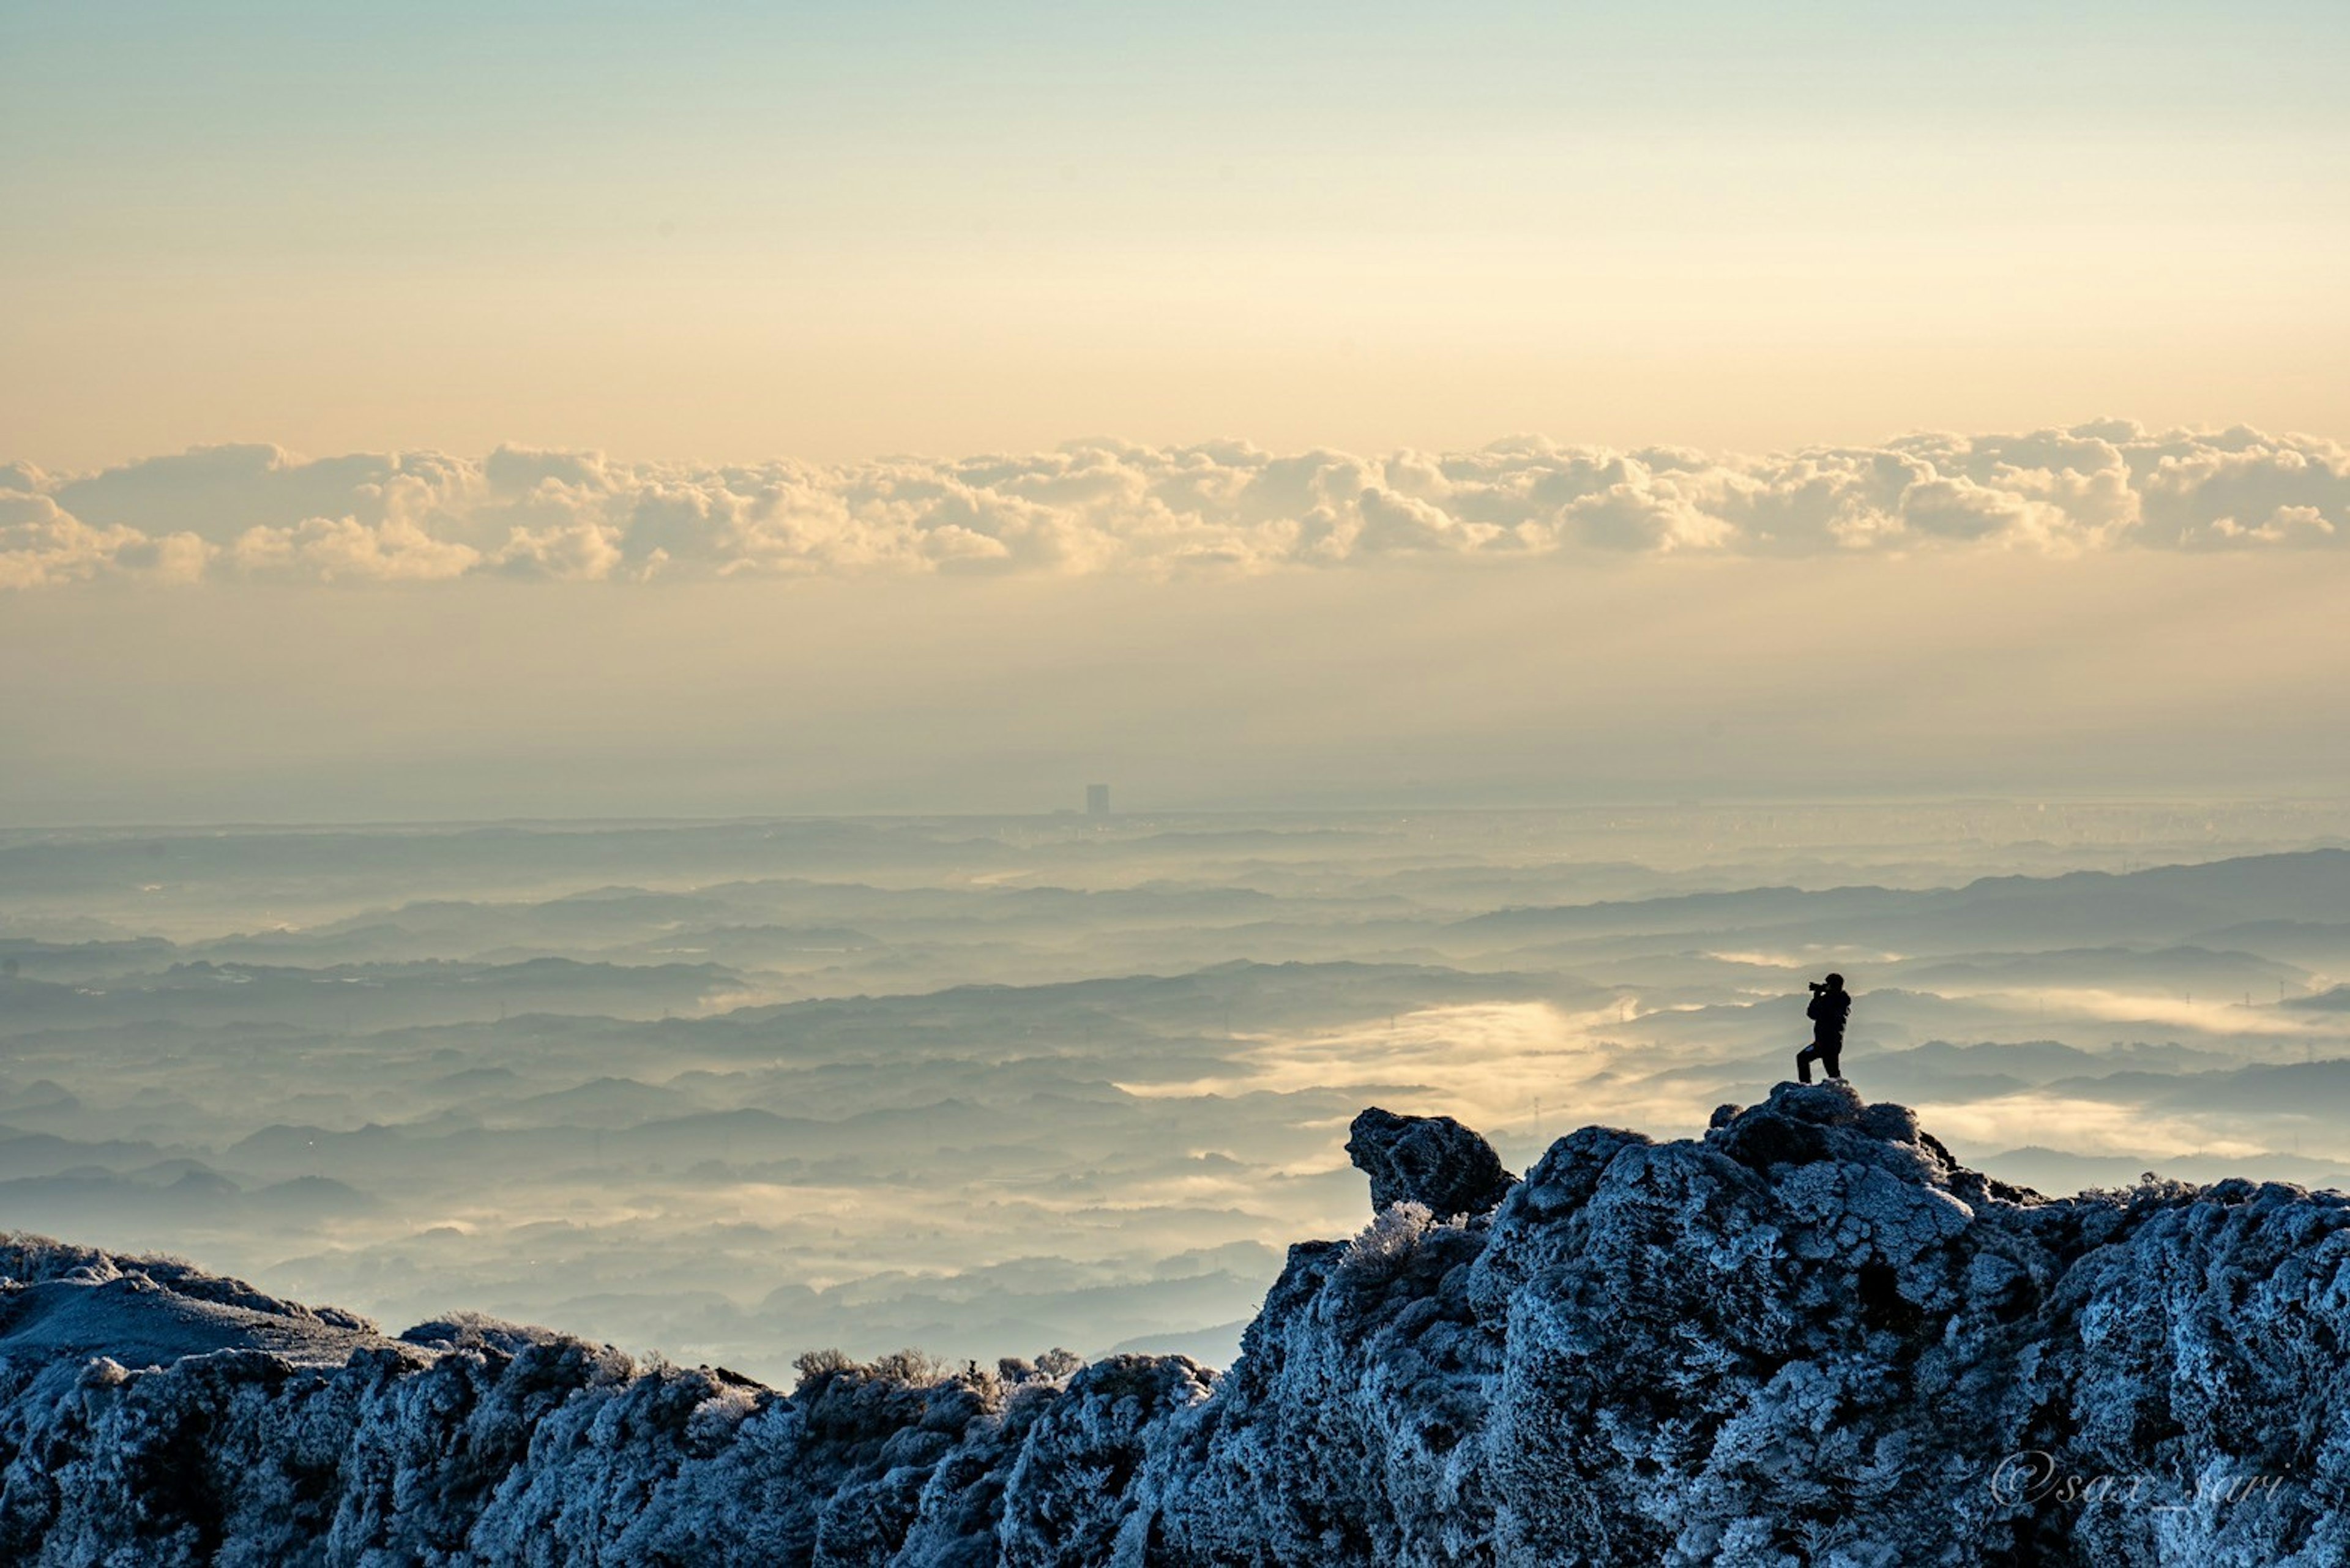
1817,985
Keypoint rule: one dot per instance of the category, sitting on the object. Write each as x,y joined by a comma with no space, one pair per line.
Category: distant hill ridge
2159,902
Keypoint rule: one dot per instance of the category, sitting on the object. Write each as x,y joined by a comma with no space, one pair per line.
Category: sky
518,410
730,232
1986,674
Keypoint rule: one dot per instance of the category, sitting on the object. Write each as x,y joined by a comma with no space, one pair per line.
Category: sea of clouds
1101,506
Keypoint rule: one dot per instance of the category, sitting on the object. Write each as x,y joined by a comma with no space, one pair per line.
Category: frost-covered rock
1432,1161
1809,1337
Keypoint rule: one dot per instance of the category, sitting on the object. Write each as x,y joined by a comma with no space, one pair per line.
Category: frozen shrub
828,1362
1059,1363
1385,1245
910,1365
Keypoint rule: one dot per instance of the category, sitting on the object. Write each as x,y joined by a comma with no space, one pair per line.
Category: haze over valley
736,1090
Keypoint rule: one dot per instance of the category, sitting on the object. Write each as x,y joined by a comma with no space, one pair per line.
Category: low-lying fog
987,1085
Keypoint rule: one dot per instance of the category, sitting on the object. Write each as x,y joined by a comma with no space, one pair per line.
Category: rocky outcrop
1808,1337
1432,1161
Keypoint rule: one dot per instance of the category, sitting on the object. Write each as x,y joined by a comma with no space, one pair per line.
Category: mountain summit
1809,1337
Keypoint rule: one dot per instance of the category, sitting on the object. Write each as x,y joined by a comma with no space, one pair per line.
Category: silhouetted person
1831,1005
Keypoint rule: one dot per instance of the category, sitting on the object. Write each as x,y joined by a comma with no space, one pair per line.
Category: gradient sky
1308,260
2138,676
733,231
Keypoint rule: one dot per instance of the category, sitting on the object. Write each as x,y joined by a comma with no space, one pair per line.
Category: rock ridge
1807,1336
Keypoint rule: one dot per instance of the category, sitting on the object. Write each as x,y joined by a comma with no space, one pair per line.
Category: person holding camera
1831,1005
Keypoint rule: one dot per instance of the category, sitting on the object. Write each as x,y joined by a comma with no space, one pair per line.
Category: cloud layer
256,511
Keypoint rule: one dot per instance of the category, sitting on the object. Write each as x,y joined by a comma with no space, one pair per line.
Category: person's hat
1836,980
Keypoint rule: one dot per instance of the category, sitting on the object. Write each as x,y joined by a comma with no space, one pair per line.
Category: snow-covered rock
1808,1337
1432,1161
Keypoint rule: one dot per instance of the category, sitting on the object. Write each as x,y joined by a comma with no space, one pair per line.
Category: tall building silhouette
1097,800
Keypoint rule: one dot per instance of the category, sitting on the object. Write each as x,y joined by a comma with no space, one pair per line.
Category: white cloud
41,546
1106,506
345,549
